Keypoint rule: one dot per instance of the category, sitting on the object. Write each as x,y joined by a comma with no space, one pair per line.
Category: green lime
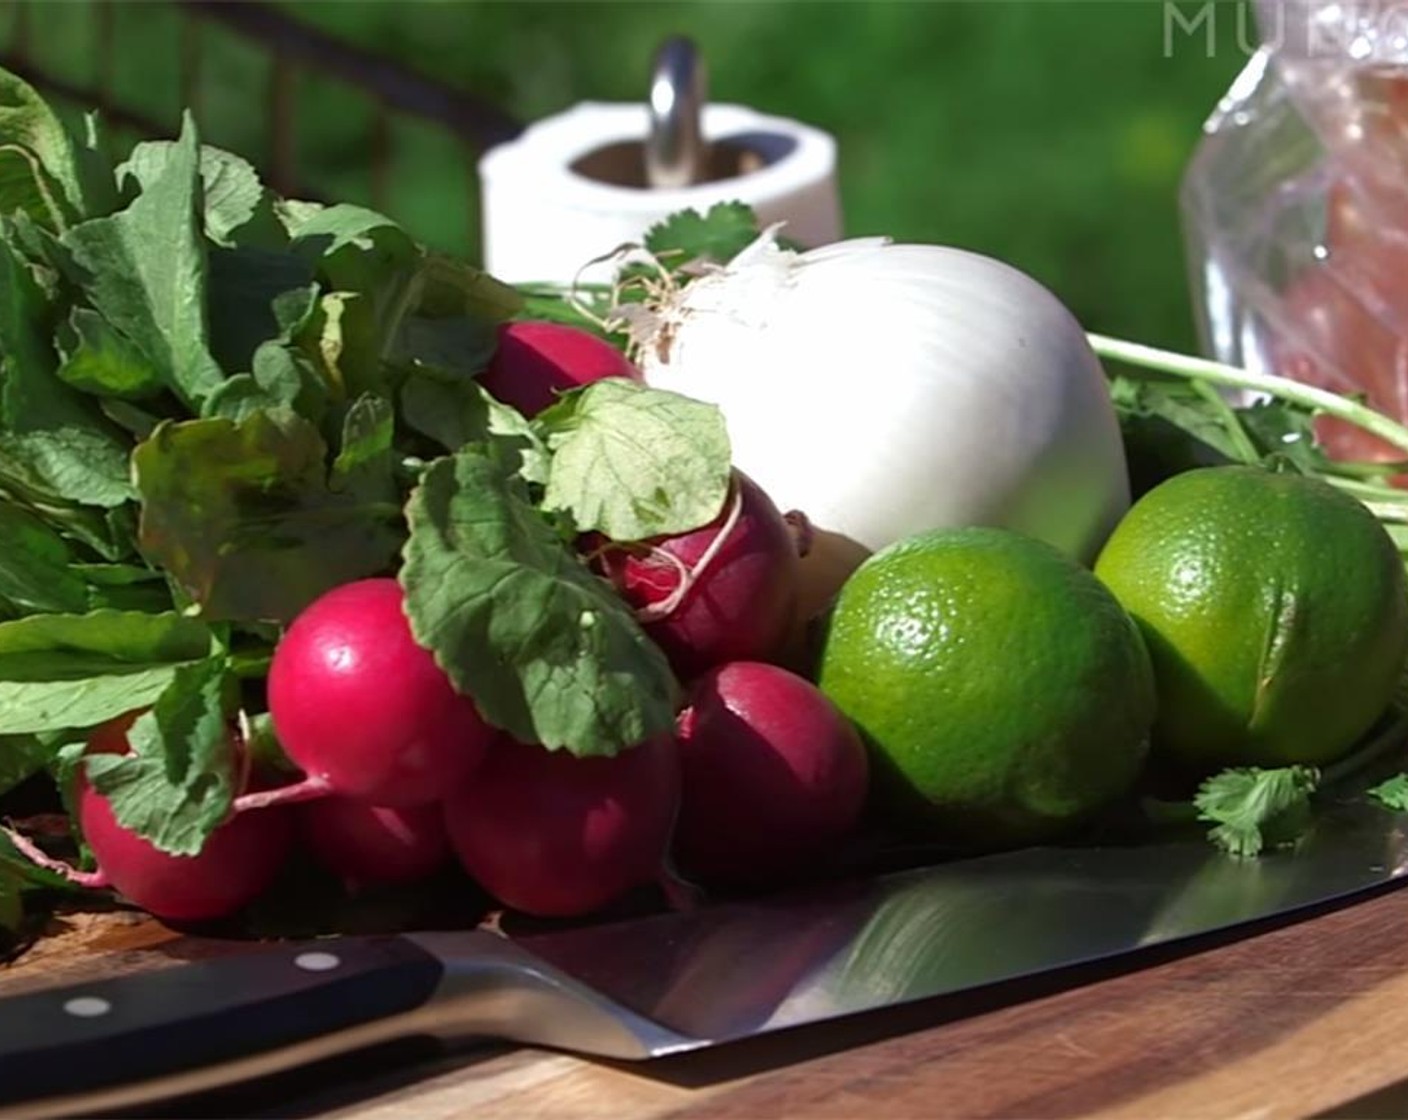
1004,693
1274,610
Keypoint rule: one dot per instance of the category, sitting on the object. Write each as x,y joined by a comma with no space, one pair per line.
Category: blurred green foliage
1050,133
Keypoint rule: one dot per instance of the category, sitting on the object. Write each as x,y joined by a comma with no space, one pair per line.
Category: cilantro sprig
677,249
1254,810
1392,793
1176,413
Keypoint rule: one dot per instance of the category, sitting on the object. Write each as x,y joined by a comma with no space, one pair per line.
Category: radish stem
803,533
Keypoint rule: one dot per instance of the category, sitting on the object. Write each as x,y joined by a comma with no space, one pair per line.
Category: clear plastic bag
1296,209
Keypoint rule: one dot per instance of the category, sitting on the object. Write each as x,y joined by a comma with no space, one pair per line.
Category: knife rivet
317,962
87,1007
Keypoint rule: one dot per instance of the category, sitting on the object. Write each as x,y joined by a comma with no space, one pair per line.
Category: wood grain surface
1309,1018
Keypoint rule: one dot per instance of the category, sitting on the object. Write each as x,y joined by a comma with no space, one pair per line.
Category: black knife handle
75,1039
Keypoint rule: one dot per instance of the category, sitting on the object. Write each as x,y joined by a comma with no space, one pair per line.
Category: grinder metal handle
675,151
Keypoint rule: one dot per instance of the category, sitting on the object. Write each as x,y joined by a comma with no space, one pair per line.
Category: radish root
94,880
667,606
309,789
681,895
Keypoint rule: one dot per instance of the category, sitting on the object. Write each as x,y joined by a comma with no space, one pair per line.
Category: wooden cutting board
1307,1018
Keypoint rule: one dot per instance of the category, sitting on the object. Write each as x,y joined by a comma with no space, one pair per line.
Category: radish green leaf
28,122
547,650
61,671
146,272
176,784
635,462
242,516
99,360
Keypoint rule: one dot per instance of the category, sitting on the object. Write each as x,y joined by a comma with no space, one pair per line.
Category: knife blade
669,983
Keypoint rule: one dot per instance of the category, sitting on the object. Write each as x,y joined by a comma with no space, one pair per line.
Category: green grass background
1050,133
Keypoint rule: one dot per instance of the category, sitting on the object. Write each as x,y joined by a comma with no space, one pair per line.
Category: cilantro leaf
1392,793
547,650
1166,429
717,236
635,462
1171,425
1254,809
1195,410
176,784
146,271
241,514
1284,433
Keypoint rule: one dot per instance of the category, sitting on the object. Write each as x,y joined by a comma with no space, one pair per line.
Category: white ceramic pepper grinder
576,185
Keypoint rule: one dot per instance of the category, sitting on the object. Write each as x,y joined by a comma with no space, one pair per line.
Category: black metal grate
293,48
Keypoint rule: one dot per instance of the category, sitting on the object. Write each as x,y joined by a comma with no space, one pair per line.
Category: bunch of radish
762,778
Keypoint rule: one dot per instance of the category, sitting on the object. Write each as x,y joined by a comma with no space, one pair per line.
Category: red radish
363,710
111,737
238,862
772,775
366,845
535,361
726,592
558,836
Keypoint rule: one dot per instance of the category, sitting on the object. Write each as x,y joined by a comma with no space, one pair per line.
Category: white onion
886,389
